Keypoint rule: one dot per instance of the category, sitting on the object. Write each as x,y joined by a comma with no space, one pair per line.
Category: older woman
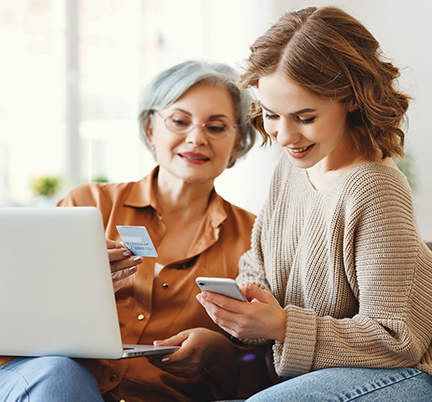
193,118
338,274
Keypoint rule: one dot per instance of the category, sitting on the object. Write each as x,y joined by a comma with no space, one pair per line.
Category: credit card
137,240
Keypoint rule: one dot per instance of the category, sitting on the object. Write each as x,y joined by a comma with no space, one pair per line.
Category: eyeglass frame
193,125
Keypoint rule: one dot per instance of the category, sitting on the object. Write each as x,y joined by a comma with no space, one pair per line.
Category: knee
61,379
48,378
58,366
58,371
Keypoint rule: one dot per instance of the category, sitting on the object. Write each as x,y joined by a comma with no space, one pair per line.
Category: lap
348,384
47,378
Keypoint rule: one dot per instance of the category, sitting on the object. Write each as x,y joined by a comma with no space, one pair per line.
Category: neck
331,167
178,197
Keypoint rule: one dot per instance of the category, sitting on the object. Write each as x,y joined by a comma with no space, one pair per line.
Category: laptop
56,291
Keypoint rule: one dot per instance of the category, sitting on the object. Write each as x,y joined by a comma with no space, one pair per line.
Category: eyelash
270,116
297,119
304,121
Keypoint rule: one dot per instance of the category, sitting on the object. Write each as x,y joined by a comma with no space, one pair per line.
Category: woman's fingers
120,278
124,273
121,258
125,263
199,348
225,312
263,317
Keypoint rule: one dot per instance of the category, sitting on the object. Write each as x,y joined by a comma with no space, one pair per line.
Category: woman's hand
263,317
200,348
123,263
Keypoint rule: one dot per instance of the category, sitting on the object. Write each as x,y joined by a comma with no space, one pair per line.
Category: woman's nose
196,136
286,133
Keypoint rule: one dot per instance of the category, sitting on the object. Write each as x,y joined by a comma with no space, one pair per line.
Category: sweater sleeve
389,270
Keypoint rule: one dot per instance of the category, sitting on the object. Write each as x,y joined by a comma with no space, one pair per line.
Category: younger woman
338,276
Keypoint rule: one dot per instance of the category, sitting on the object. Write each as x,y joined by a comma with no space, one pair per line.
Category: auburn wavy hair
331,54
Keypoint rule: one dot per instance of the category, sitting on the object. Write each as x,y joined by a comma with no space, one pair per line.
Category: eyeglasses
182,124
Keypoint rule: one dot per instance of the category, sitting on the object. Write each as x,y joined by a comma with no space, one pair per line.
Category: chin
300,163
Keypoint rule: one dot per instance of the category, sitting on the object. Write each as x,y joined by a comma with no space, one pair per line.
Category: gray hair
168,86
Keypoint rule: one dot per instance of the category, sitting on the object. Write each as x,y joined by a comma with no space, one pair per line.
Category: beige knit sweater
348,266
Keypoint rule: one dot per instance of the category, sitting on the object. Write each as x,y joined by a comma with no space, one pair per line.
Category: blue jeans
51,378
352,384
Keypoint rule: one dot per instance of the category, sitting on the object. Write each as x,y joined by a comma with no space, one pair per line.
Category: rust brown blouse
158,308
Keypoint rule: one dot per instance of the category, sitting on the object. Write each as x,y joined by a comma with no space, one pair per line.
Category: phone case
223,286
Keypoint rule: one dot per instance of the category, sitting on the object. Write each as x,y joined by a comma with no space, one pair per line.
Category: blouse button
141,317
165,285
113,378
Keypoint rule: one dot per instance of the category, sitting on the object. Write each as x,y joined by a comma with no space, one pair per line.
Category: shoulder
376,191
375,179
238,213
230,217
93,194
235,213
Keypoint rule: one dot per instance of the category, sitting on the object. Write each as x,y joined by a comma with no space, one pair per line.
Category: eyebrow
217,116
297,112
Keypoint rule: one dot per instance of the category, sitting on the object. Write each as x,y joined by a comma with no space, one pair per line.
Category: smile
194,158
300,153
298,150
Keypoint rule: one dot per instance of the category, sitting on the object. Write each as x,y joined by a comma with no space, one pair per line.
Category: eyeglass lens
183,125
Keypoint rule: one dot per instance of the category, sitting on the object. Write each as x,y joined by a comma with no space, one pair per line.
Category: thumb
175,340
252,291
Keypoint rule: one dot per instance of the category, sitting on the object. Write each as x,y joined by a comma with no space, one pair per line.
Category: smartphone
223,286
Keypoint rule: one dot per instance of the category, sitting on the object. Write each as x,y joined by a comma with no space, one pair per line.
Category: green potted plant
45,188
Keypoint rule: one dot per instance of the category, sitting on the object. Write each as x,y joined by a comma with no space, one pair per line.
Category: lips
193,157
298,150
299,153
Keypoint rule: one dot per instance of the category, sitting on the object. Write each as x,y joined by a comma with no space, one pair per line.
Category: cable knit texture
348,266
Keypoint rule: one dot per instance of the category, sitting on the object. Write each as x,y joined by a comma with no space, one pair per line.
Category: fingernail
126,252
133,269
165,359
138,260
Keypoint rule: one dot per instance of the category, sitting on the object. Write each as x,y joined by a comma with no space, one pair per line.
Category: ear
235,148
236,144
352,106
149,129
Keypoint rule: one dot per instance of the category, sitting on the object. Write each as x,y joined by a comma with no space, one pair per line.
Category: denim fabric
51,378
352,384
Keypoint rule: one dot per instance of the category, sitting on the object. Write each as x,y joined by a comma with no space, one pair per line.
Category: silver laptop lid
56,292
